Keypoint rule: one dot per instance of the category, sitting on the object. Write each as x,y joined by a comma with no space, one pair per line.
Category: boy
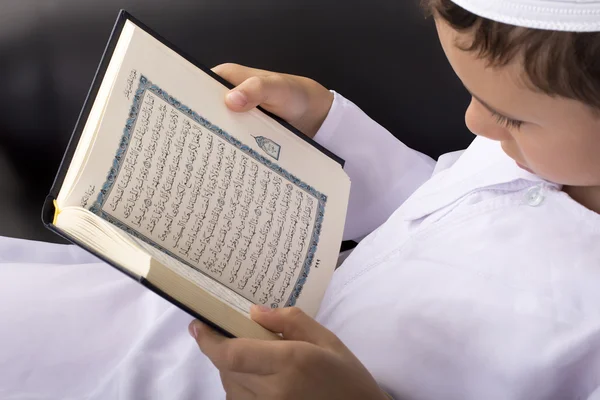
479,275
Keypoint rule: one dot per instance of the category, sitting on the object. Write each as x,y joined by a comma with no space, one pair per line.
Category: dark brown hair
565,64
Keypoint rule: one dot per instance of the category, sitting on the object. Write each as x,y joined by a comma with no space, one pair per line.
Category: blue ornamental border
97,208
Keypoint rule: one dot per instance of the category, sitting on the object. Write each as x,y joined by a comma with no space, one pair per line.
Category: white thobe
476,280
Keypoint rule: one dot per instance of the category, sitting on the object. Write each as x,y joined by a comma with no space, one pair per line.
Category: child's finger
294,324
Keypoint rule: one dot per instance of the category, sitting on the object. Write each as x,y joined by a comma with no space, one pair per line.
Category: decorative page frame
98,206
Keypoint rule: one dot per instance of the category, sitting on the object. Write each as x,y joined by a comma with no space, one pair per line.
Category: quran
212,210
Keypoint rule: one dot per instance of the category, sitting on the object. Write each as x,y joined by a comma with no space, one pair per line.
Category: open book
211,209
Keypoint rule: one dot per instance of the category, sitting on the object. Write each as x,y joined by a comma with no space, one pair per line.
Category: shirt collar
482,165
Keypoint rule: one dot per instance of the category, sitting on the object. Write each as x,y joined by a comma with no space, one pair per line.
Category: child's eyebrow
490,108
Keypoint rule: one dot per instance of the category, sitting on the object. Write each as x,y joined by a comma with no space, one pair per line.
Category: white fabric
73,328
482,285
556,15
384,171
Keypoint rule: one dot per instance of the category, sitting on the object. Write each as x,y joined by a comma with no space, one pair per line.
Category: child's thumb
270,90
237,100
294,324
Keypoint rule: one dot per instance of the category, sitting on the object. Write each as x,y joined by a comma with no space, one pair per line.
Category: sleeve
384,171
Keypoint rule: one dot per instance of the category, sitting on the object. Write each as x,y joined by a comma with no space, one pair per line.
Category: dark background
381,54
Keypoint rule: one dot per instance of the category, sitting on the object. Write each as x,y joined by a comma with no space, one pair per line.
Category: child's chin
525,168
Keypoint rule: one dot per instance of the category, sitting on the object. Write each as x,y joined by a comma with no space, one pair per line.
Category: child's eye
507,122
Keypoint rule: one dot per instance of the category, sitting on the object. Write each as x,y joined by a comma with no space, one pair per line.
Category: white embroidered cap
557,15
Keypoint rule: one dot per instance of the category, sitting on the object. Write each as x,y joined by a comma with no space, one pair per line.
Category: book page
235,197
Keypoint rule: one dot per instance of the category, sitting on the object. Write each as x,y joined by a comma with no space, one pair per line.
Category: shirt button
534,196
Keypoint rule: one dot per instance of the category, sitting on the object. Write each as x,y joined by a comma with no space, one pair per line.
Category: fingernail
261,308
193,329
237,98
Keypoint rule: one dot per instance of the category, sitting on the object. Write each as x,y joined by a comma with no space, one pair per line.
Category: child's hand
312,363
302,102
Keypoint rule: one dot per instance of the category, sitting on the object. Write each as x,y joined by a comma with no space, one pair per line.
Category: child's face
556,138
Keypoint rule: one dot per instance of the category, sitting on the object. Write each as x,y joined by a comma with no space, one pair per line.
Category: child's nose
481,122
